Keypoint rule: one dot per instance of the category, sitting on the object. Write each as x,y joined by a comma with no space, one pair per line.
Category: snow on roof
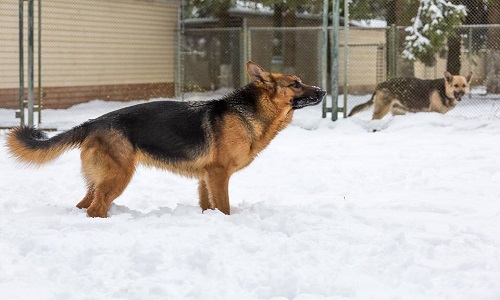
369,23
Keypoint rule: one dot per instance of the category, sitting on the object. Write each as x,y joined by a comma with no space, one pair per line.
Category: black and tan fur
401,95
208,140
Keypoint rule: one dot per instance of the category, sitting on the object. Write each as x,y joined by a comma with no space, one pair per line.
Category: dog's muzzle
313,98
458,95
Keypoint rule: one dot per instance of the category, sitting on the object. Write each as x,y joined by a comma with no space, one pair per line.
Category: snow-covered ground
327,211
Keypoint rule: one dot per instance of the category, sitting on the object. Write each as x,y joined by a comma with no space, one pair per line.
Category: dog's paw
97,211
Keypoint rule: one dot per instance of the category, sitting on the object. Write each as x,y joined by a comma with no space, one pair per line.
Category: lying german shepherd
401,95
208,140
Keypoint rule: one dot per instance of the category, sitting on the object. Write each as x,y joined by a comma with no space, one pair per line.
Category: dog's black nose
459,95
321,93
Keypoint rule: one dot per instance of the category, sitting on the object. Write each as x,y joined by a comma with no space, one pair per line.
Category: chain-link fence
218,40
472,47
211,59
375,50
135,49
468,51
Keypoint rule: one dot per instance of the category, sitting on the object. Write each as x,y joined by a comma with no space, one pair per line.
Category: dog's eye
456,85
296,85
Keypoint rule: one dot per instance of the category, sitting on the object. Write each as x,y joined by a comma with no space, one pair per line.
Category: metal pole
21,61
244,52
249,53
469,53
335,57
179,85
31,56
392,51
324,52
346,54
39,62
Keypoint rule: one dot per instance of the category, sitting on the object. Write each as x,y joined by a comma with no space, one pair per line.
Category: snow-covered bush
435,21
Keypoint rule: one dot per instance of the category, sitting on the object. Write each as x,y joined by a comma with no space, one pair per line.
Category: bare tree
285,15
493,72
399,13
476,14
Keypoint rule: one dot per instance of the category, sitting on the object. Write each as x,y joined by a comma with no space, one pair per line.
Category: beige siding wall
362,68
95,42
9,44
362,72
475,64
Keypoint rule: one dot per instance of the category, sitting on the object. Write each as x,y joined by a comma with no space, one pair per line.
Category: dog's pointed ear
468,77
448,76
257,73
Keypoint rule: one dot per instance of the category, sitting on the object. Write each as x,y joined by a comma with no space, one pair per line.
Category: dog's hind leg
381,111
203,194
106,192
217,181
398,109
108,163
382,104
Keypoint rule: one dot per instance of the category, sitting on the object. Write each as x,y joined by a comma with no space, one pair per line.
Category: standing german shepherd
208,140
401,95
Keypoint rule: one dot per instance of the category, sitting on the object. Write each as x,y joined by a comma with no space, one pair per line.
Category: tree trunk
277,59
391,20
398,12
224,21
221,79
476,14
493,72
454,63
290,20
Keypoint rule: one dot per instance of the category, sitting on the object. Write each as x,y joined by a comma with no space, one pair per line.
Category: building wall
363,60
94,49
475,63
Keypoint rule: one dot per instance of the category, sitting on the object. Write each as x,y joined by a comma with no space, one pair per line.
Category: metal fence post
39,106
381,68
469,53
31,64
346,56
249,50
21,62
179,84
31,60
324,53
392,72
335,57
244,52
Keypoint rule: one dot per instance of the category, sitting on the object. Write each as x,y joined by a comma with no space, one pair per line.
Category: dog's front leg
203,194
217,182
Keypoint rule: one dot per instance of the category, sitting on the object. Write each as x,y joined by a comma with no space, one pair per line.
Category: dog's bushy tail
362,107
33,146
